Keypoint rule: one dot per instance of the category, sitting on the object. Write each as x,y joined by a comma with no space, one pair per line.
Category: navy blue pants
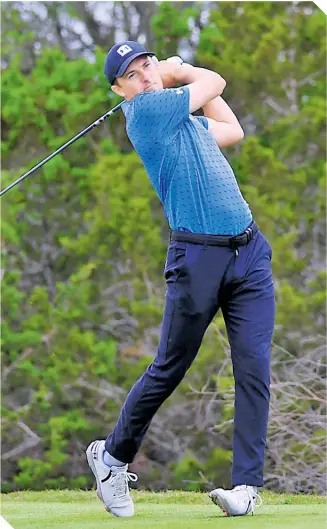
200,280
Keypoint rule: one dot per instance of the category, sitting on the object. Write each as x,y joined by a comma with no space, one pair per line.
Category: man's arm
223,124
204,85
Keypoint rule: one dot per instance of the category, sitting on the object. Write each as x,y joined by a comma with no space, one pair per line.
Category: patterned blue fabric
192,178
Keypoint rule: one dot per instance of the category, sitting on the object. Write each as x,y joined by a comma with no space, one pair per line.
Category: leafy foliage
83,241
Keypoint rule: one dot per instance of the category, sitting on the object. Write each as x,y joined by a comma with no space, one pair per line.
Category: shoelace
251,495
120,482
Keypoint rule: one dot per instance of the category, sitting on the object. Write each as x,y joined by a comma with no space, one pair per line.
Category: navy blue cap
120,57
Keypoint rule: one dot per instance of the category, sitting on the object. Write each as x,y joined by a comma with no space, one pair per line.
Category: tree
84,239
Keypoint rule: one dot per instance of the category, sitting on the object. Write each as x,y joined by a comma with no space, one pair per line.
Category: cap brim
128,61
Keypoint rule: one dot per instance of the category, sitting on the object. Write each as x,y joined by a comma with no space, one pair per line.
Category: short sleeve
163,111
203,120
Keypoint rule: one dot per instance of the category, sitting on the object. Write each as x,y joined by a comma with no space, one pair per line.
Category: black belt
216,240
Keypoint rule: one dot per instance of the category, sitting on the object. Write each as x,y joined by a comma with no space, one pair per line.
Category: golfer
217,258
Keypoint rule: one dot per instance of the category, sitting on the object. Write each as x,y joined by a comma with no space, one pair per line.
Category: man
217,258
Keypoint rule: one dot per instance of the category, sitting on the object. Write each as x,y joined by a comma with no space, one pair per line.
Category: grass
165,510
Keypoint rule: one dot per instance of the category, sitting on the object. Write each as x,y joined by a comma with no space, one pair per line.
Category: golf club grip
85,131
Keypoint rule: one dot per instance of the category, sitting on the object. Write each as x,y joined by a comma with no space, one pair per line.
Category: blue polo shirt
192,178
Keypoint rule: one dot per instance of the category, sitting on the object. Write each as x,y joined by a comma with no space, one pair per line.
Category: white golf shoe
112,482
236,502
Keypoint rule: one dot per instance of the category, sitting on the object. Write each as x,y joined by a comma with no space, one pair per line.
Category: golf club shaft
90,127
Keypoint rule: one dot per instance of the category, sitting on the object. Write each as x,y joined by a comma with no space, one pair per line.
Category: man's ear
118,90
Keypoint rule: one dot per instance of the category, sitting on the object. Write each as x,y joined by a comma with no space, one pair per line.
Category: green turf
167,510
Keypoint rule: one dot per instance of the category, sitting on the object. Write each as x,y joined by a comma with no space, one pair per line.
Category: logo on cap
124,49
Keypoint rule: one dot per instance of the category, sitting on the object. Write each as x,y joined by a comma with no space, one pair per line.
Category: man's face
142,75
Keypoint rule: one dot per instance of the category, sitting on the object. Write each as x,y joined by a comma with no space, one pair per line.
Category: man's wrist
184,73
188,74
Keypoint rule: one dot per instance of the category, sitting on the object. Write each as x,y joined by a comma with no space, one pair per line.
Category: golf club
90,127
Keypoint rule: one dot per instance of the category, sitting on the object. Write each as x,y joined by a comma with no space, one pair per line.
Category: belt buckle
233,243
